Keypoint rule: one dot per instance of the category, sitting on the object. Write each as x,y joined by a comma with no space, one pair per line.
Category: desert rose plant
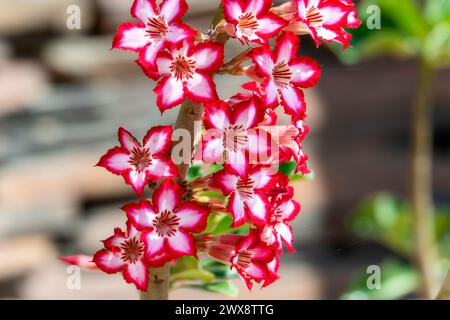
223,205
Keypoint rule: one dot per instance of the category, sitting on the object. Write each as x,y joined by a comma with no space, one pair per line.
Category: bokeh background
63,94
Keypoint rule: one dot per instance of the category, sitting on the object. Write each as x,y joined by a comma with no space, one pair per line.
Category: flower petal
305,72
136,273
263,177
170,92
262,57
167,196
212,149
137,180
258,7
141,214
289,209
226,181
179,32
237,209
143,10
130,36
286,234
217,115
286,47
232,9
115,160
127,141
236,161
115,240
270,25
193,216
257,209
148,56
161,168
173,10
271,90
201,88
293,101
154,244
158,139
208,56
108,261
182,244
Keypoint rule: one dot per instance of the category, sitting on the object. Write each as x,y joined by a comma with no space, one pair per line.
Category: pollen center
245,187
234,138
132,250
282,74
242,259
314,17
140,158
182,68
156,28
247,24
166,223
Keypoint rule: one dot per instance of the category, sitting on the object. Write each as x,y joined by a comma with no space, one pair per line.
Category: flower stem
444,293
158,286
422,190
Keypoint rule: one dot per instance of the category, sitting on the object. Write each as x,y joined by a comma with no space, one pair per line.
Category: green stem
422,190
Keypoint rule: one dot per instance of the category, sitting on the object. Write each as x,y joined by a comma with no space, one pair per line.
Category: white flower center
182,68
282,74
131,250
314,17
140,158
247,24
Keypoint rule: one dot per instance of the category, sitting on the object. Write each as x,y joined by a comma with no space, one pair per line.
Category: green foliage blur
401,28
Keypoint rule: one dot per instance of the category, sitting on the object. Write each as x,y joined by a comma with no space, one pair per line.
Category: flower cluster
240,136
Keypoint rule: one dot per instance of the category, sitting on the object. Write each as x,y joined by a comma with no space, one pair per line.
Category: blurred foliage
388,220
398,279
408,28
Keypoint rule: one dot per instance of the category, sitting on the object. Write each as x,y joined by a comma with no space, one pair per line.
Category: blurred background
63,94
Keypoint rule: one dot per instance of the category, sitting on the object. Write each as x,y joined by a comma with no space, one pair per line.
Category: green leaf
224,287
288,168
189,268
436,47
220,270
437,11
213,168
397,280
194,172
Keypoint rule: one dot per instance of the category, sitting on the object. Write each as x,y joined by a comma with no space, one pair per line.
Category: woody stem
190,113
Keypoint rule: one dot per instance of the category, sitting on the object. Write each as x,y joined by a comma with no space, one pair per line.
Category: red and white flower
187,73
231,134
325,19
283,74
251,21
247,196
278,231
141,163
252,259
124,253
156,30
168,223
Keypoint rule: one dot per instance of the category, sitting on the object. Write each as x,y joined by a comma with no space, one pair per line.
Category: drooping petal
170,92
115,160
161,168
108,261
236,161
289,209
141,214
193,216
154,244
217,115
293,100
127,141
270,25
232,9
271,90
137,179
158,139
144,9
173,10
80,260
182,243
286,234
130,36
237,209
305,72
208,56
167,196
257,209
136,273
286,47
201,88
